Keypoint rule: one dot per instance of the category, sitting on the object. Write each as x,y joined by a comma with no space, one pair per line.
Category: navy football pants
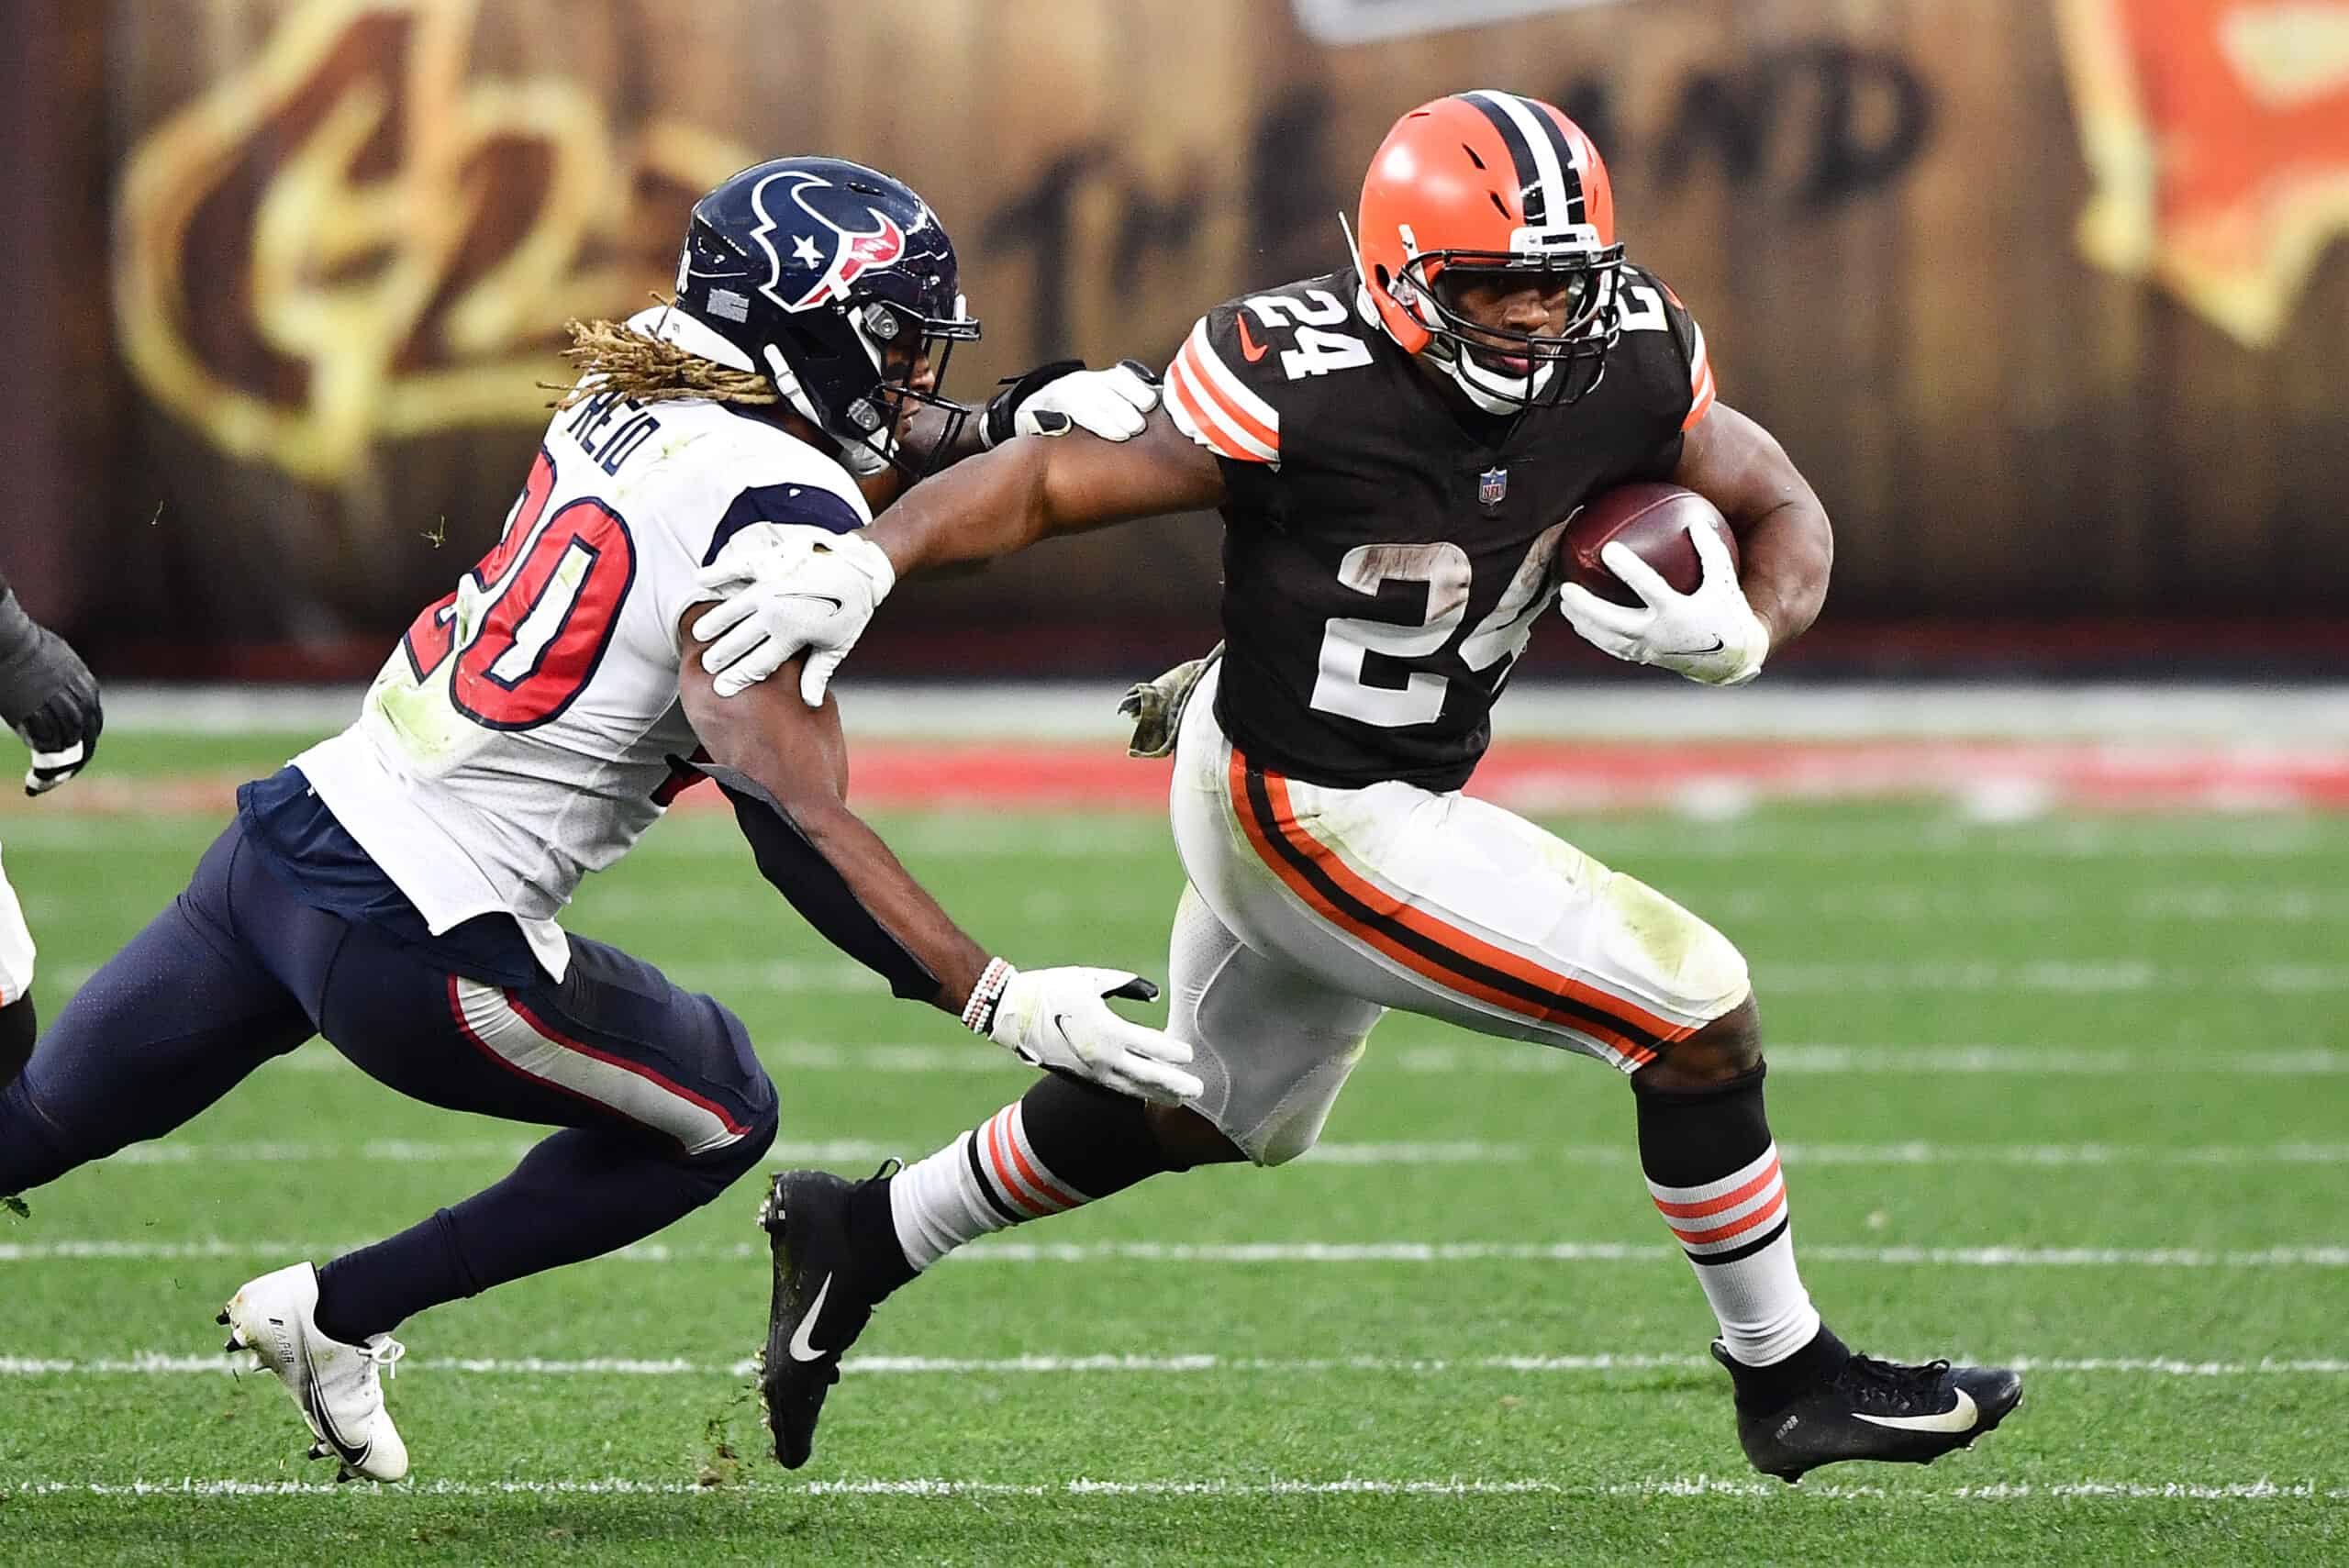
662,1100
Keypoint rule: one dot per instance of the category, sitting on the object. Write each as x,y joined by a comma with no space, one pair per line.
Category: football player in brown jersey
1395,446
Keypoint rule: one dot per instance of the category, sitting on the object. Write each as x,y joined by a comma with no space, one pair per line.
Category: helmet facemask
908,353
1561,367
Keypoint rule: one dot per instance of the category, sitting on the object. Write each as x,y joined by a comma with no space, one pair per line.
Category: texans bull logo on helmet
807,267
794,203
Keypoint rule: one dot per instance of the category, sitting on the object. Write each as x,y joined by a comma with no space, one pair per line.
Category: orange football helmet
1482,182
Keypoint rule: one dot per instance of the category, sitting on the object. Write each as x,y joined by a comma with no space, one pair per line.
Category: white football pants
1311,911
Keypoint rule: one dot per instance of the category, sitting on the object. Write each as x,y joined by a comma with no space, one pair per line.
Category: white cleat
336,1386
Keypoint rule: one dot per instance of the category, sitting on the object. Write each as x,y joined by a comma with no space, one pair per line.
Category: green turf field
2071,1091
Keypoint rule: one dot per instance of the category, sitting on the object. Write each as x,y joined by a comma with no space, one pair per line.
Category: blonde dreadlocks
651,370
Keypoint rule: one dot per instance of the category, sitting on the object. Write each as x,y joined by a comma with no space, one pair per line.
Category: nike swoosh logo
838,605
1248,346
803,1339
354,1456
1692,652
1959,1417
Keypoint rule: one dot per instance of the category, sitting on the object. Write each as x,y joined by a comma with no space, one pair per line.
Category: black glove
47,697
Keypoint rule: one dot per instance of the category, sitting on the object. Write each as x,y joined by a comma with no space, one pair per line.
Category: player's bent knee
1730,1046
1672,950
1186,1139
737,1157
1284,1141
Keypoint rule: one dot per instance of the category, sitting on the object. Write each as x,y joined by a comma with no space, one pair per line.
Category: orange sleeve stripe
1703,400
1450,937
1178,389
1700,379
1204,376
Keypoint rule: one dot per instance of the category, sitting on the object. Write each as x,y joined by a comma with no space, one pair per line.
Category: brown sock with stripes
1713,1169
1062,1144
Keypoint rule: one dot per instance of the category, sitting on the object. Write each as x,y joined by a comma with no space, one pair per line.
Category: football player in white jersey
49,697
395,888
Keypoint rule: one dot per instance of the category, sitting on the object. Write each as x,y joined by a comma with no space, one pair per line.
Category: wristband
978,1012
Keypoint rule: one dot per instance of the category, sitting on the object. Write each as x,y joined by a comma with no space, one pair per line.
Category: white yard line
2080,977
1621,840
1926,903
1510,1058
112,1250
156,1364
1674,1488
405,1152
1466,1151
1905,1061
2319,1257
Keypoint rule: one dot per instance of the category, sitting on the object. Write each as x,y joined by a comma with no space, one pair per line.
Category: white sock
982,1182
1739,1237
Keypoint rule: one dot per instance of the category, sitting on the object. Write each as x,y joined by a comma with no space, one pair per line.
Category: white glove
1061,1017
1114,404
1711,635
789,588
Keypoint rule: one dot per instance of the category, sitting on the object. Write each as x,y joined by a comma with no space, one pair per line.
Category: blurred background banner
2047,298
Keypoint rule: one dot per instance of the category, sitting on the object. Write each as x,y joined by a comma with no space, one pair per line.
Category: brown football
1652,520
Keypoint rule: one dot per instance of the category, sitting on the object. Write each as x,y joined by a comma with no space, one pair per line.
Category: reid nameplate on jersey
1491,485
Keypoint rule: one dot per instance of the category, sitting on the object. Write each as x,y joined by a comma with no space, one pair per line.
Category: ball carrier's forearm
987,506
1036,488
1788,552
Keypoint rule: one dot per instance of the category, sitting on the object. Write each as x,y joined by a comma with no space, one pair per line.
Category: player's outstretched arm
47,695
785,768
1034,489
1787,546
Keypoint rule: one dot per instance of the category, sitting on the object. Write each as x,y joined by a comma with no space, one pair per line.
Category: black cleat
820,1305
1873,1409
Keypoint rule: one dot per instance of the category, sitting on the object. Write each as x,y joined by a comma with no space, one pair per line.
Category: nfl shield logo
1491,485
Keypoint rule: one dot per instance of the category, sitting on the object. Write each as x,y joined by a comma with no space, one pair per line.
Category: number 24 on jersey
1319,351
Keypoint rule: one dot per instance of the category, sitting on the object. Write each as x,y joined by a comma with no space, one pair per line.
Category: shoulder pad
1215,390
805,506
1646,304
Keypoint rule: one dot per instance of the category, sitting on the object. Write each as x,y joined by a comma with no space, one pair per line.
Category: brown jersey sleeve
1690,338
1215,396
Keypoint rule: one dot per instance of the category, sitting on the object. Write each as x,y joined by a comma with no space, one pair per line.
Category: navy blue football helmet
835,279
